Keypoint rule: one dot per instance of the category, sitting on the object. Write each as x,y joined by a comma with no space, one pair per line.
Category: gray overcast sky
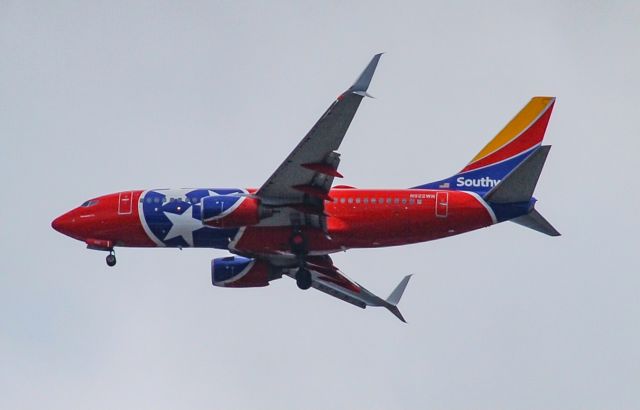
97,97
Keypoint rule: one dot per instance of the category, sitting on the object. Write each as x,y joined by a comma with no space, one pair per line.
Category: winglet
394,298
362,83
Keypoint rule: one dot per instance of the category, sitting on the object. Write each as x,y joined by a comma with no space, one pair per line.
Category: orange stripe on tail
523,132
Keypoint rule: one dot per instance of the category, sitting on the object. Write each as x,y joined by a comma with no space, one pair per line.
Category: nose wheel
111,258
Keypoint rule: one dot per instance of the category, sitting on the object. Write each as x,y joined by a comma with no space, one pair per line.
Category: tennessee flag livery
291,224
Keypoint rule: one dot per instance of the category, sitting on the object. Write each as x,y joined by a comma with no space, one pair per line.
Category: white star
183,225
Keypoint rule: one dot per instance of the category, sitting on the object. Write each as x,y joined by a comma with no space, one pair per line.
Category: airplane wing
302,182
329,279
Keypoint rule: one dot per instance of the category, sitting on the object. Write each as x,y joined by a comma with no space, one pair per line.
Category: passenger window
404,201
350,200
412,201
373,200
419,201
342,200
366,200
396,201
388,200
357,200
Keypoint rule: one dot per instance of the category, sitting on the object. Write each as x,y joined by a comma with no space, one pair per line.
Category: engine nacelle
230,211
239,272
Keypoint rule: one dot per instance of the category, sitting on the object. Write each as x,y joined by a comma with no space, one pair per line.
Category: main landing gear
298,245
111,258
303,278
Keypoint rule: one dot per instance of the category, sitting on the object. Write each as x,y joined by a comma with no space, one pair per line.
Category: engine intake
239,272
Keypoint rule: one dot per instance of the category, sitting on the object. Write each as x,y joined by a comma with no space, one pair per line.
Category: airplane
293,223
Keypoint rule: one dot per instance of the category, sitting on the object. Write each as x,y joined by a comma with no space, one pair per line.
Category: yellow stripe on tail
516,126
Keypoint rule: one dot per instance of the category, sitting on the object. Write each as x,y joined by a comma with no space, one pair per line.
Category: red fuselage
355,218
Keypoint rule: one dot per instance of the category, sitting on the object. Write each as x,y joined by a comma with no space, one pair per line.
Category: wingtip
396,313
362,83
391,303
396,295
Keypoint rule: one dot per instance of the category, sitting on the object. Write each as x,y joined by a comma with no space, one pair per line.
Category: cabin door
442,204
125,203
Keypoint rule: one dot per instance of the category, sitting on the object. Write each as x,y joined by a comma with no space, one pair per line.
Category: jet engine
230,211
239,272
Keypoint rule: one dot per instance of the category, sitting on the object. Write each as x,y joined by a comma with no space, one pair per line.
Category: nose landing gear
111,258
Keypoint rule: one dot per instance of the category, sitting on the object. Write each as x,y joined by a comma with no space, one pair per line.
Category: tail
515,143
505,172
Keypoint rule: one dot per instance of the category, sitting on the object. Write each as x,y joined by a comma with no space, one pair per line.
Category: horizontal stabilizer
519,184
533,220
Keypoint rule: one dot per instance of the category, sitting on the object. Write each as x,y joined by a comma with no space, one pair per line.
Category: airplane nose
62,224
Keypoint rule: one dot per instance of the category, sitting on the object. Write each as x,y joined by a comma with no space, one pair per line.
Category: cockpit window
89,203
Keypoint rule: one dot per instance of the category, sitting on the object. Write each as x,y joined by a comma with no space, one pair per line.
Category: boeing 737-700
292,223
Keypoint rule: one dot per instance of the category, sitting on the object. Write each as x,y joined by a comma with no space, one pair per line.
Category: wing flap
322,287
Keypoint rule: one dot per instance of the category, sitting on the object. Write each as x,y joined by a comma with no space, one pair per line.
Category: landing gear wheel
303,279
111,259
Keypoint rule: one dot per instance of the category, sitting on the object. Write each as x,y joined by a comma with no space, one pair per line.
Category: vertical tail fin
508,149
